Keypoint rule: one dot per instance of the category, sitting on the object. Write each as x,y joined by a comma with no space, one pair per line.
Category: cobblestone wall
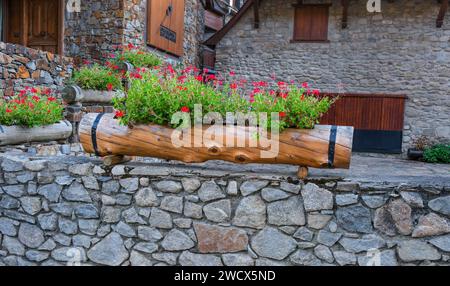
397,51
68,210
21,67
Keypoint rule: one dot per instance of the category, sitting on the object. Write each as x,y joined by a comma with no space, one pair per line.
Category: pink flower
232,73
316,92
305,85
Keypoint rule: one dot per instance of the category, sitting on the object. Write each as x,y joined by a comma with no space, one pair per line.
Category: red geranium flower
233,86
33,90
120,114
109,86
8,110
51,99
35,98
316,92
199,78
185,109
305,85
232,73
282,114
284,95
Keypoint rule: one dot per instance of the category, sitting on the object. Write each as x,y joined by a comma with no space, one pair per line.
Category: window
165,25
311,23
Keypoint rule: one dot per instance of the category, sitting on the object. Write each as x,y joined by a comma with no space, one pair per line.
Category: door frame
61,20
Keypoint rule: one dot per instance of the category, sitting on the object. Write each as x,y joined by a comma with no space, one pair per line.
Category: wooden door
34,23
165,25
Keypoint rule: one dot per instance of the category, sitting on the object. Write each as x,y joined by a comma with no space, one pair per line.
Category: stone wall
397,51
102,26
21,67
71,210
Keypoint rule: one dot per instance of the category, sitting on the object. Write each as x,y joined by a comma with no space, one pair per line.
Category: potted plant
439,153
134,56
420,144
277,115
33,115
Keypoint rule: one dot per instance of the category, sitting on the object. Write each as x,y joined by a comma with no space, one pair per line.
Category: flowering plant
31,107
98,78
155,95
139,58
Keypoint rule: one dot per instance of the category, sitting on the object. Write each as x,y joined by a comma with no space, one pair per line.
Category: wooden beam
256,13
442,12
344,14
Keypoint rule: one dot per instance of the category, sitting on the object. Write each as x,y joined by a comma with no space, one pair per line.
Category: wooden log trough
322,147
74,93
12,135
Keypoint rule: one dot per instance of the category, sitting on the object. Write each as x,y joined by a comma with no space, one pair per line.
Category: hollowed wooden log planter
12,135
74,93
321,147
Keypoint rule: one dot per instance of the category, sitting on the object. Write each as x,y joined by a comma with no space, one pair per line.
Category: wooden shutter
311,23
165,30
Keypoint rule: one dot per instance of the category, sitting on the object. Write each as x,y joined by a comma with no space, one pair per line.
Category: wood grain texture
10,135
296,146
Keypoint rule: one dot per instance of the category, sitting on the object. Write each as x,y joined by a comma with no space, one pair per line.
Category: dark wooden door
34,23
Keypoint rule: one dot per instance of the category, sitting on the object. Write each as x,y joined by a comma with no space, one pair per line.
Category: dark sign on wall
168,34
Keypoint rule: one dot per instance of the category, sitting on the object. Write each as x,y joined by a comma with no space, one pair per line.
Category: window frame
294,32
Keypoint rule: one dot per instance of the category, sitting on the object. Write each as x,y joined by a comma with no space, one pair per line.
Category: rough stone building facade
397,51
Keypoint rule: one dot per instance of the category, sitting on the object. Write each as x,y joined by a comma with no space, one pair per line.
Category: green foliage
156,95
437,154
31,108
98,78
139,58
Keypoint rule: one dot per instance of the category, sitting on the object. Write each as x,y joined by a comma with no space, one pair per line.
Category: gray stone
414,199
110,187
64,180
304,258
442,242
19,216
306,245
76,193
35,166
90,182
123,199
109,251
12,165
81,169
108,201
366,243
183,222
16,191
401,215
48,245
37,256
144,182
137,259
318,221
102,231
251,212
250,187
288,229
347,187
347,199
290,188
31,205
82,241
271,243
304,234
288,212
416,250
124,229
344,258
111,214
69,254
431,225
50,192
237,259
169,187
118,170
272,195
264,262
45,177
31,235
86,211
67,226
193,210
146,247
62,239
8,202
328,238
172,204
48,221
210,191
190,185
130,185
88,226
316,199
146,198
131,216
32,188
160,219
324,253
167,257
177,240
441,205
375,258
219,211
8,226
355,218
192,259
25,177
13,246
232,188
149,234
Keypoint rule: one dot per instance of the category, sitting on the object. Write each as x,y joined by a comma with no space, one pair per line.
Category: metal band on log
10,135
322,147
